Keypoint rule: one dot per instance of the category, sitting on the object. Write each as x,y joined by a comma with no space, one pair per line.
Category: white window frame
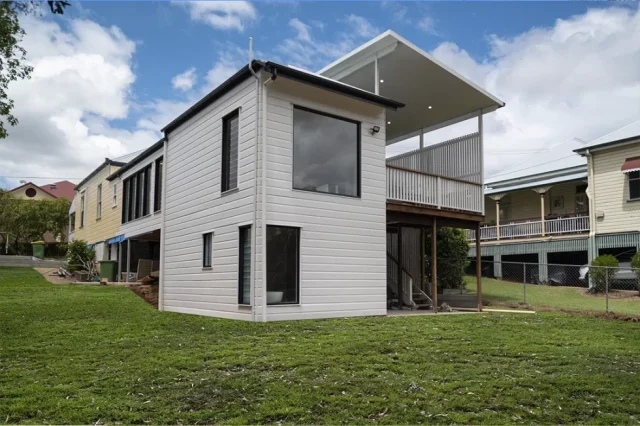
83,210
99,202
115,195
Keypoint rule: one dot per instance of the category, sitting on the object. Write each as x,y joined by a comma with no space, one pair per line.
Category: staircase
411,295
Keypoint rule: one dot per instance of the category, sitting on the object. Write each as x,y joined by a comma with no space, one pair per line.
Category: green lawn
572,298
72,354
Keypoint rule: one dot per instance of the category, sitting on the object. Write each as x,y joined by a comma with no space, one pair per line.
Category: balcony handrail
432,175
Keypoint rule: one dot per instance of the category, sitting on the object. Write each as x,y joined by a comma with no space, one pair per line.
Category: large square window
283,265
326,153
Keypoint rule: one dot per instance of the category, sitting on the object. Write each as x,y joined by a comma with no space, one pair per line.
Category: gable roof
624,134
137,159
297,74
558,158
63,188
33,185
106,162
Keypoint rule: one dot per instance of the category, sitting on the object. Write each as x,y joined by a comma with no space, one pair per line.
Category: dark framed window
634,185
326,153
244,266
136,193
230,151
207,249
283,265
157,188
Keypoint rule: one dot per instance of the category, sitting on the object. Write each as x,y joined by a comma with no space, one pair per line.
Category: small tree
603,268
78,255
453,250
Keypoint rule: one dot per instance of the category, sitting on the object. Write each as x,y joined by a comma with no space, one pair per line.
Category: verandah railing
567,225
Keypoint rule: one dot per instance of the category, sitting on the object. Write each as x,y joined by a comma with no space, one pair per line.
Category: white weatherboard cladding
194,205
342,239
152,221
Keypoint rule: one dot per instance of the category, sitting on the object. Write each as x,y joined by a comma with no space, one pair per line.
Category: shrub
453,249
78,254
602,267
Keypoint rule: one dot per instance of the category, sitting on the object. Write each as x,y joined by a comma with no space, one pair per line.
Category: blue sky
109,75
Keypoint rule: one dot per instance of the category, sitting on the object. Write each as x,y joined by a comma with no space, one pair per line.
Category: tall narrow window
634,185
326,153
244,267
82,206
140,195
133,185
125,201
157,189
99,202
283,260
230,152
207,249
115,194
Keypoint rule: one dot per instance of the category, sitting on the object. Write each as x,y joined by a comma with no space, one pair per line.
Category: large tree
13,65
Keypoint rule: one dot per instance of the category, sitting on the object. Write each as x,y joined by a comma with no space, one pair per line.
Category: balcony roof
415,78
559,159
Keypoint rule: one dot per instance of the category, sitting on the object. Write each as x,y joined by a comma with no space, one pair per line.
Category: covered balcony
533,228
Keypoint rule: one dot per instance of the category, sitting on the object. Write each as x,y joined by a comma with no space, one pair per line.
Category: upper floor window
634,185
230,151
83,202
99,202
136,190
157,188
115,194
326,153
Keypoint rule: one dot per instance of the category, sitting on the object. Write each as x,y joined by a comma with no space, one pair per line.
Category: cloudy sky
107,76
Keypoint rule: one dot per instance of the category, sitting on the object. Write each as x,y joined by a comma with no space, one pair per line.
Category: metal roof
623,134
536,184
559,157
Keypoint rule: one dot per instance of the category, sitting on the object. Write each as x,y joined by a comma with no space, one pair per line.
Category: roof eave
136,160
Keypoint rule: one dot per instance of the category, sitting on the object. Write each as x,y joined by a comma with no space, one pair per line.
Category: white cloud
578,78
427,24
81,80
398,11
306,51
362,26
301,28
185,80
221,15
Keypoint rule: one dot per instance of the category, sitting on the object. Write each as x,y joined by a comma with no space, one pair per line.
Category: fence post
524,282
606,287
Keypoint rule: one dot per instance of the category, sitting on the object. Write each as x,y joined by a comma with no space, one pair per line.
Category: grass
572,298
73,354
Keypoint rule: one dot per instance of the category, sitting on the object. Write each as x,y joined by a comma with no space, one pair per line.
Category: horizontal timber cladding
618,240
578,244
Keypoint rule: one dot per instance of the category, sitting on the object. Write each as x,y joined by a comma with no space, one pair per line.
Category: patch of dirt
604,315
50,274
148,292
614,294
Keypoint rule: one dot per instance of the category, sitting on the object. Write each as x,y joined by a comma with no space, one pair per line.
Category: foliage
29,220
79,255
603,268
100,354
452,253
13,64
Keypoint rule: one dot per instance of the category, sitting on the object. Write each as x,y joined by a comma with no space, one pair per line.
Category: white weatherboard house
278,202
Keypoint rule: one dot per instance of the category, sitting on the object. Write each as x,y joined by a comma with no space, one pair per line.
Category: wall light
375,129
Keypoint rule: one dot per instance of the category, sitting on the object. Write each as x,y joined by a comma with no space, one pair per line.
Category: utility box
38,249
108,270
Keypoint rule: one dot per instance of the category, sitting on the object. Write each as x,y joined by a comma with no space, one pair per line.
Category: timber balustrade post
478,268
434,265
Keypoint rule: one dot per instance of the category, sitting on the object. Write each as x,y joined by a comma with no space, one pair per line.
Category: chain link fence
559,286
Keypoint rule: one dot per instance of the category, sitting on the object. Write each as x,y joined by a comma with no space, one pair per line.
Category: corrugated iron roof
629,131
